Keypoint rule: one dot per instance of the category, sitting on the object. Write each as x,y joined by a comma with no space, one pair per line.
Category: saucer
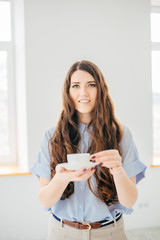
69,167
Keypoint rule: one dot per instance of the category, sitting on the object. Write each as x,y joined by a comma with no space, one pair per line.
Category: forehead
81,76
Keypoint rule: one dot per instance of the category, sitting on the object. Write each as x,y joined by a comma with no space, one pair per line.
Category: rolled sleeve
130,157
41,168
137,169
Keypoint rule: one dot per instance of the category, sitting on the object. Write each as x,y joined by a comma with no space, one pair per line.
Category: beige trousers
59,231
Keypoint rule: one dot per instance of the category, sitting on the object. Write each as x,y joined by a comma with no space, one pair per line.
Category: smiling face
83,92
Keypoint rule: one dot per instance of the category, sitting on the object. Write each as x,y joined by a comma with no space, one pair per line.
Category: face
83,92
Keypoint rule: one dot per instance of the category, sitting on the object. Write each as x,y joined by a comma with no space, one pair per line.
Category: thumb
60,169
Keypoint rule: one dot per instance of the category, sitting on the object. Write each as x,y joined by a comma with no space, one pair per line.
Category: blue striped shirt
83,205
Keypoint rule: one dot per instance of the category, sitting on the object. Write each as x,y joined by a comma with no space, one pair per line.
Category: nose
83,91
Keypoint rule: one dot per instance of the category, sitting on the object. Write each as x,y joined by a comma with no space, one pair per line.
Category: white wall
115,35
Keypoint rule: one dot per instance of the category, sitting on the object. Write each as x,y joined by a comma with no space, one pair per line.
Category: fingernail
93,161
84,170
92,168
95,167
93,156
101,164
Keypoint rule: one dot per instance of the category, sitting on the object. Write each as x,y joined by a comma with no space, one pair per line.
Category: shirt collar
82,127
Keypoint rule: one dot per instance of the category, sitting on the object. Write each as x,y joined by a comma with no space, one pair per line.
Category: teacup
78,160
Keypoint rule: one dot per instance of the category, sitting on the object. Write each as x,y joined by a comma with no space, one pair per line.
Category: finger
60,169
105,152
107,158
111,164
86,175
79,172
84,172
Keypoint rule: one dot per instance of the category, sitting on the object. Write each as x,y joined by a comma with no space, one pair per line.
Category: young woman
88,203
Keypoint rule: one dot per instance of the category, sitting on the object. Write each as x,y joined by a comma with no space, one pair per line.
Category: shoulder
49,133
127,138
126,133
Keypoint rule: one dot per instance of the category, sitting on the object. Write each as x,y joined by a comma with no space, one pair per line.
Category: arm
52,190
125,186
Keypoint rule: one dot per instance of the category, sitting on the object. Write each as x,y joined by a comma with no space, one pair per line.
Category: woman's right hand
52,190
72,176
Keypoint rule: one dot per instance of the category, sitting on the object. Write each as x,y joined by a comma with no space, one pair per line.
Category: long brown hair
106,133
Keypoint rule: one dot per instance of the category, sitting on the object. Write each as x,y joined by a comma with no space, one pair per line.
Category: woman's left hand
110,159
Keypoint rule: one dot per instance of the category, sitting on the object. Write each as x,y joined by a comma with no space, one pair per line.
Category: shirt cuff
137,169
41,170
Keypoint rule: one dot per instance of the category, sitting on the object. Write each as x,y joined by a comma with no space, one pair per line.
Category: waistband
88,225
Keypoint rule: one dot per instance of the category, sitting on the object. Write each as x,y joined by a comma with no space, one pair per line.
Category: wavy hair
106,133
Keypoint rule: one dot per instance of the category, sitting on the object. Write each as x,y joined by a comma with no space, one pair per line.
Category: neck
84,118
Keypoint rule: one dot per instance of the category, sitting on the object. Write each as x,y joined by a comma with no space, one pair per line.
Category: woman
88,203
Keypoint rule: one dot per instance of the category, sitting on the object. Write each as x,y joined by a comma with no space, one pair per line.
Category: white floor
144,234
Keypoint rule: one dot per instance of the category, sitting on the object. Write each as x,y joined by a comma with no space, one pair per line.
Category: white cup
78,160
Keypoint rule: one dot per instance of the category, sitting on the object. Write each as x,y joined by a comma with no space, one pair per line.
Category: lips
84,100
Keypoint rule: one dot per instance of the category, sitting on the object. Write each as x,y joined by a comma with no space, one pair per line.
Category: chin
84,112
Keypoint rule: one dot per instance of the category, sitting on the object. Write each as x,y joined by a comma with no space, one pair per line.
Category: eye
92,85
75,86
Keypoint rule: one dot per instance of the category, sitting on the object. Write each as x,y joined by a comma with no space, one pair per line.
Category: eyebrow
87,82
